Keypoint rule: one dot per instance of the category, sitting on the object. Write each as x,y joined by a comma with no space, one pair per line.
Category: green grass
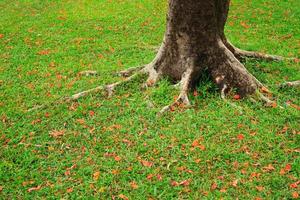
113,136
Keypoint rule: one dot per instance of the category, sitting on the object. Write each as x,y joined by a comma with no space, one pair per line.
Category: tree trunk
195,43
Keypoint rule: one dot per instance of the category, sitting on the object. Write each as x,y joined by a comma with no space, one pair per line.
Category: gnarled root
108,88
290,84
239,78
182,99
130,71
252,54
260,96
128,74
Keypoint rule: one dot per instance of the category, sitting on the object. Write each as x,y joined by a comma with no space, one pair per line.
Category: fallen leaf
288,167
294,185
159,177
69,190
68,173
235,183
56,133
196,144
92,113
260,188
268,168
185,182
36,121
134,185
96,175
293,105
264,90
282,171
118,158
236,97
274,105
122,196
25,183
44,52
115,172
34,188
223,190
213,186
174,183
80,121
147,163
1,36
295,195
240,136
243,24
150,176
100,56
195,93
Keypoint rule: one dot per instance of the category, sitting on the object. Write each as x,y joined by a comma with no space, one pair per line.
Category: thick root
150,69
256,55
290,84
183,99
232,74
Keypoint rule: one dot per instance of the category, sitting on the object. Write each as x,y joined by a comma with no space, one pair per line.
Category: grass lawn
117,147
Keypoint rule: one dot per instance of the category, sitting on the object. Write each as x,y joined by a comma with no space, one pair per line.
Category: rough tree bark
195,44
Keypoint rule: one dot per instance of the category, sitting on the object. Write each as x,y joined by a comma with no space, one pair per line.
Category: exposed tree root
252,54
259,96
183,98
130,71
108,88
128,74
290,84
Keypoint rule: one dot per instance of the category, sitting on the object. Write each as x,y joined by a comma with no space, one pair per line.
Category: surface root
256,55
183,99
130,71
290,84
108,88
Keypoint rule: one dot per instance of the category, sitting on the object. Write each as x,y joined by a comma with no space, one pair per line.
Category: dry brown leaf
56,133
134,185
146,163
122,196
235,183
269,168
213,186
34,188
96,175
69,190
